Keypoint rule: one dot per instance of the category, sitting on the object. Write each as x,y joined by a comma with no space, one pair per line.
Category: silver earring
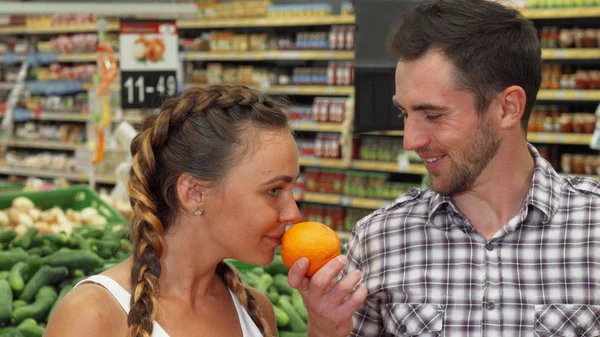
197,212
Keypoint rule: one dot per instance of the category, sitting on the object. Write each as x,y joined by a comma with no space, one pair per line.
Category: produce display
37,270
290,313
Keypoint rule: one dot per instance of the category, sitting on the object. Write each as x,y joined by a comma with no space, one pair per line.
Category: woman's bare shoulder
88,310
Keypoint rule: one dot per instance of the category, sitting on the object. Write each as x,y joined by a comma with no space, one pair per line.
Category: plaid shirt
430,273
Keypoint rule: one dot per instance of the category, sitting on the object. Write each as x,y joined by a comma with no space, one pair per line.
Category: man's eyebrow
420,107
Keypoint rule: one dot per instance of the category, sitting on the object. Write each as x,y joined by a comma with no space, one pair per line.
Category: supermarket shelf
112,26
570,95
44,144
270,55
46,173
312,90
387,167
62,116
341,200
571,54
6,86
559,138
317,127
391,133
322,162
85,57
560,13
267,22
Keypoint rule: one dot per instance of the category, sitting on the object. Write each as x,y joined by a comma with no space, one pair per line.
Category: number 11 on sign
147,89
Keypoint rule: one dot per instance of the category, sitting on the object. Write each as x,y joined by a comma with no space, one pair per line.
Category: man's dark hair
492,46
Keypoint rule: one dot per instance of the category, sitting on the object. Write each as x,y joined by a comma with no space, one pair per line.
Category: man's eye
433,117
403,115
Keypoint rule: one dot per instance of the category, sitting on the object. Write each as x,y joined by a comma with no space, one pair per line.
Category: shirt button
579,331
402,328
490,305
489,246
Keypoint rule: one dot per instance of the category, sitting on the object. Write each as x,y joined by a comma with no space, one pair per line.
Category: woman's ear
190,191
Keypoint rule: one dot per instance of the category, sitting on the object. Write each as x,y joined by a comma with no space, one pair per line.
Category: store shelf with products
393,167
560,13
341,200
44,144
316,127
45,173
311,90
570,53
324,20
559,138
74,28
569,95
269,55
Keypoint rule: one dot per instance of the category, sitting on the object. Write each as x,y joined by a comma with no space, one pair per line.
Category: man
500,244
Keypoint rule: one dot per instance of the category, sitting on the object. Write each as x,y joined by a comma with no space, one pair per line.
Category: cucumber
74,259
45,276
10,332
277,266
7,236
59,239
79,242
281,284
29,328
258,271
34,262
15,279
265,281
273,295
4,275
281,317
62,294
297,324
6,300
35,251
19,303
298,304
27,238
44,300
11,257
249,279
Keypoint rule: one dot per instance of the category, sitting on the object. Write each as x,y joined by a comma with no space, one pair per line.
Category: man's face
442,125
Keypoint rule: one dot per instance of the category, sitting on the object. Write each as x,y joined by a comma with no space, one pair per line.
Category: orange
313,240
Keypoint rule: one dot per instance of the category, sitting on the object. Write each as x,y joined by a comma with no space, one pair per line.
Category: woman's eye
274,191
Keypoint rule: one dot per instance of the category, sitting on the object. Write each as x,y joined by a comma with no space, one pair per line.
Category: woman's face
247,214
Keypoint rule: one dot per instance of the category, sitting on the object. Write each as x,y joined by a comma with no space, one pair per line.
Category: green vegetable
34,262
264,283
44,300
273,295
291,334
258,271
298,304
281,284
4,275
277,266
29,328
297,324
27,238
15,279
74,259
281,317
19,303
45,276
7,236
11,257
10,332
6,301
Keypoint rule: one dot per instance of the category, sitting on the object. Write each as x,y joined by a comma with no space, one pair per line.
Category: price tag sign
149,59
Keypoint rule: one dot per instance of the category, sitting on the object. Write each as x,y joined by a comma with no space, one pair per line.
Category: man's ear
512,103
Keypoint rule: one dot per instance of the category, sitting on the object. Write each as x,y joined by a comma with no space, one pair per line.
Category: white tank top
249,328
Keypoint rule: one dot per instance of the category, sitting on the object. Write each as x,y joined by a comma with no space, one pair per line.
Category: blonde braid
246,298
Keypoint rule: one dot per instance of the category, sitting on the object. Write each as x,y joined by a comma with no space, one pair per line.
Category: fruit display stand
38,267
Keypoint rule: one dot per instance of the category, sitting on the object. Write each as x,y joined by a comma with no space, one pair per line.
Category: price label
149,60
345,201
146,89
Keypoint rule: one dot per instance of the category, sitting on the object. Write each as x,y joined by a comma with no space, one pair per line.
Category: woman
212,178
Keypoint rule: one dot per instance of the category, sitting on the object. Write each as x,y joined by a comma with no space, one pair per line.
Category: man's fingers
322,278
296,278
355,300
344,287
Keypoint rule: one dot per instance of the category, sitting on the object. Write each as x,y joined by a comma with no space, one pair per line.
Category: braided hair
200,133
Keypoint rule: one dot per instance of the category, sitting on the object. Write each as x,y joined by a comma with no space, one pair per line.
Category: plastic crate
75,197
11,188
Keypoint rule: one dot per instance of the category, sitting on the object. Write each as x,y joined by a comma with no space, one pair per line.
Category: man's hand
330,302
